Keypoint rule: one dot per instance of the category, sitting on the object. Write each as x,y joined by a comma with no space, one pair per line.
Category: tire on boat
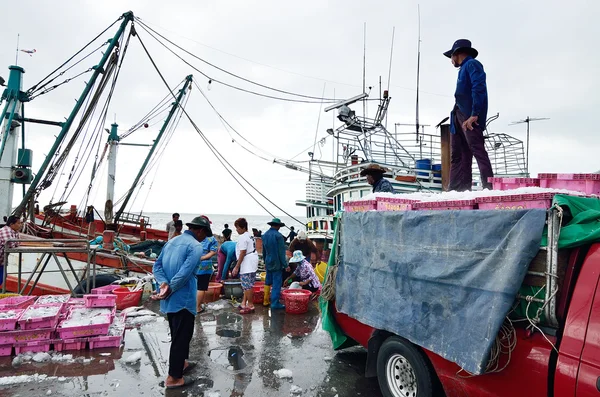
102,280
402,370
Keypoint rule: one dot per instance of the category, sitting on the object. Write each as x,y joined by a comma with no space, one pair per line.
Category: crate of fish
513,183
33,347
70,344
584,183
75,302
105,342
52,299
9,318
360,205
394,204
516,201
40,316
100,300
82,312
446,205
19,336
16,302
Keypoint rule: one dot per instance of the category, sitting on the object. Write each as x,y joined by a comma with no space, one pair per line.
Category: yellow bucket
263,276
320,270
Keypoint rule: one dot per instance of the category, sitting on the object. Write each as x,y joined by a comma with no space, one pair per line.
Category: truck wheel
402,370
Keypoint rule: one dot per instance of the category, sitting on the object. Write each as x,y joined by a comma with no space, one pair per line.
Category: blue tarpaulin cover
444,280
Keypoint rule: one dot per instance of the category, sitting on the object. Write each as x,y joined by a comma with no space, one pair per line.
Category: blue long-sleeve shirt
383,186
228,248
471,92
274,250
176,265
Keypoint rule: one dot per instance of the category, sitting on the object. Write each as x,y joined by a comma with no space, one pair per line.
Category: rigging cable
321,98
226,84
216,153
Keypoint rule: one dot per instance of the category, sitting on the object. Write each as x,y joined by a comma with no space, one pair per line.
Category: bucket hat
373,169
201,221
297,257
276,222
462,44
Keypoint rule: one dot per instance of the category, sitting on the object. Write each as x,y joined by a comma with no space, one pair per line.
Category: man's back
274,250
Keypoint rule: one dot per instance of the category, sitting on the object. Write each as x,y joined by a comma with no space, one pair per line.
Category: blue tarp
444,280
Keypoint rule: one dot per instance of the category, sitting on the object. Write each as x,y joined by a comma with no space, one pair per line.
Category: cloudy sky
540,57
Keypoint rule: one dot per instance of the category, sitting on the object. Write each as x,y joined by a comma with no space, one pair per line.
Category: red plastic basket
296,300
16,302
360,205
394,204
259,292
126,298
100,300
213,293
513,183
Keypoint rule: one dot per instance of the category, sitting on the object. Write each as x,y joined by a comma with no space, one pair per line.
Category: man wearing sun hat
175,271
468,118
374,174
275,261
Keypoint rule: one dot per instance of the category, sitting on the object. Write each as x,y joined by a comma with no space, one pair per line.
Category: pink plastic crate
10,337
102,342
70,344
10,323
6,350
446,205
16,302
513,183
104,300
34,347
80,331
360,206
105,290
42,321
584,183
516,202
112,310
394,204
75,302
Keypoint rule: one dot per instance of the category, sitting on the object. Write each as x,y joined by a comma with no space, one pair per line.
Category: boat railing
135,219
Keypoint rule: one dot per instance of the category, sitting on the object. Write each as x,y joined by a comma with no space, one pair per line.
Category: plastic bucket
233,288
423,164
213,293
296,300
258,292
126,298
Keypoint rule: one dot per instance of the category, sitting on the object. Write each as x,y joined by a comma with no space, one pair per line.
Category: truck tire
102,280
402,370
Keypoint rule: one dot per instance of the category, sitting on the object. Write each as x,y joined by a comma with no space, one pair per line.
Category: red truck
564,360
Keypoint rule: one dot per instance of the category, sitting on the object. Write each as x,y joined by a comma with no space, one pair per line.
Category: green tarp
581,221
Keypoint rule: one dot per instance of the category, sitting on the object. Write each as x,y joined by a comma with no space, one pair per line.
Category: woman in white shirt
247,264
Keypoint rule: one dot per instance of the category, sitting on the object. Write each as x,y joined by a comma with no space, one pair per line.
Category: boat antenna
365,68
17,55
390,69
418,70
528,120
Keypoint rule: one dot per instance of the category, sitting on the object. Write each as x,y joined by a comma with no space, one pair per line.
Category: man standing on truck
175,271
374,174
468,118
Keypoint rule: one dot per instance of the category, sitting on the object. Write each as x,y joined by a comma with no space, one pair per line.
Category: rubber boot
267,298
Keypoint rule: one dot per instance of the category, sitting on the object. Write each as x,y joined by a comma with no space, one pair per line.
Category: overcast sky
540,57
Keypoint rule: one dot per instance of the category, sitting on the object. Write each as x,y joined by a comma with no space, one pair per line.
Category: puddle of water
229,357
228,318
229,325
228,333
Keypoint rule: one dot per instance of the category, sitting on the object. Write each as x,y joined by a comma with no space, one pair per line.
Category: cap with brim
462,45
201,222
276,222
297,257
373,169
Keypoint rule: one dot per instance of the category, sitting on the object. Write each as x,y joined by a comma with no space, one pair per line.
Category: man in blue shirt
205,268
468,118
175,271
374,174
275,261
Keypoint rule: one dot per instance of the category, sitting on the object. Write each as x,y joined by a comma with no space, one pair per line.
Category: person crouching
304,273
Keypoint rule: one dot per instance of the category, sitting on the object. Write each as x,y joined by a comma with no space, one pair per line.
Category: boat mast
10,138
98,69
113,146
418,70
176,104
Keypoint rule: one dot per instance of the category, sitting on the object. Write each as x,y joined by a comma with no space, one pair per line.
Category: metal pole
182,92
98,69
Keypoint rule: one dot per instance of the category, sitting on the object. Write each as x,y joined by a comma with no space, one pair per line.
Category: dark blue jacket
274,251
383,186
471,92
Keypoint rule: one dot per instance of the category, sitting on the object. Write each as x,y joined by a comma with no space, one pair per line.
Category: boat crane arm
306,170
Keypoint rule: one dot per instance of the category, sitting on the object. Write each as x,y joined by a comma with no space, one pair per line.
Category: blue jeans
275,280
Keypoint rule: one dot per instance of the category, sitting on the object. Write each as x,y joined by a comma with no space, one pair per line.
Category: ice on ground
140,320
13,380
57,357
295,389
41,357
326,358
283,373
142,312
333,390
62,379
212,394
105,354
49,392
218,305
133,358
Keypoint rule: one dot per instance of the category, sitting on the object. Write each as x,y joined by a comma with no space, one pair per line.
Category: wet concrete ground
237,356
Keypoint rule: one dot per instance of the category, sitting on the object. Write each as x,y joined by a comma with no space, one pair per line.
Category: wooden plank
445,141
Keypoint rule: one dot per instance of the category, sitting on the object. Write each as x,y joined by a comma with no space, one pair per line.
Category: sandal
186,382
191,365
246,311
